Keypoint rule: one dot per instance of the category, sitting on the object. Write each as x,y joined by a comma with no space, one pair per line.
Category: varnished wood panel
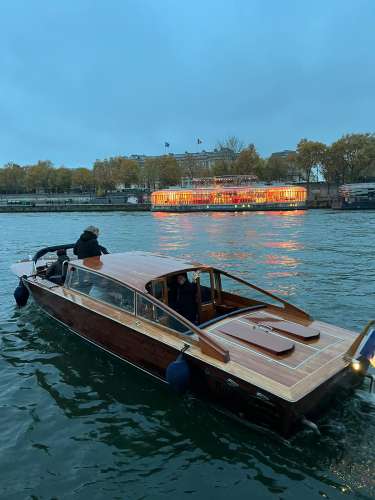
136,268
257,337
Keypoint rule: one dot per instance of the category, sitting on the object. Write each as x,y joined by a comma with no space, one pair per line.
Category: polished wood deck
299,371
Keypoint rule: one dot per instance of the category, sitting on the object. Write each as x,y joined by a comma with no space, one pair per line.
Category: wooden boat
250,352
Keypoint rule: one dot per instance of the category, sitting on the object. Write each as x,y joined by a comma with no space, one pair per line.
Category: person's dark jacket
186,303
87,246
57,268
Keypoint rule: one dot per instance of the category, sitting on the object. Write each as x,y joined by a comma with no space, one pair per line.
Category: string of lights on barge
244,198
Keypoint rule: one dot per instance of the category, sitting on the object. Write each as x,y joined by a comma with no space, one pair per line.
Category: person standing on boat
87,245
186,298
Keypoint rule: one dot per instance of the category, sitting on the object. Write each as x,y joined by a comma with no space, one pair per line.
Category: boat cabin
199,293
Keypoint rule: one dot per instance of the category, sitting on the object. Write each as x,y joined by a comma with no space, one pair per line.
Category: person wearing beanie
87,244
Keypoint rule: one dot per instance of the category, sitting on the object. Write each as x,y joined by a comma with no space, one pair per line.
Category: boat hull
239,397
366,204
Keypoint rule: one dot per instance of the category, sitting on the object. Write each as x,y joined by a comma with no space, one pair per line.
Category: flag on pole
199,141
166,144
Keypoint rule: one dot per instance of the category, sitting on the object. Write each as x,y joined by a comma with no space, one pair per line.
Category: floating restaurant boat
243,198
248,351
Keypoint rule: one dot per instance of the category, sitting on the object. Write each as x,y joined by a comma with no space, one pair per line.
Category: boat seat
58,279
257,337
292,329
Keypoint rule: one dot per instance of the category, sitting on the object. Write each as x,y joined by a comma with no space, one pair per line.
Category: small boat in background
247,350
360,196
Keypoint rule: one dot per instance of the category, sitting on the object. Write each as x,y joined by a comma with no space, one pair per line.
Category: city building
286,154
203,159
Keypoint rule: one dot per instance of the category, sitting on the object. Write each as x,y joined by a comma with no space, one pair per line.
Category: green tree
126,171
222,167
350,159
37,176
13,178
247,162
60,180
104,175
310,154
275,169
170,172
82,179
151,172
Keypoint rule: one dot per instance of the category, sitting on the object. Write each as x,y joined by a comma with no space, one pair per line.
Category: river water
76,423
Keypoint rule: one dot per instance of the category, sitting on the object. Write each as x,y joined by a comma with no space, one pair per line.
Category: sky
83,79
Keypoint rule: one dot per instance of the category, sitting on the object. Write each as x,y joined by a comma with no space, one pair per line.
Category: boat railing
43,251
350,353
285,303
208,345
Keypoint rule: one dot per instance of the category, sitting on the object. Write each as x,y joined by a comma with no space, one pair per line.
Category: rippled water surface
76,423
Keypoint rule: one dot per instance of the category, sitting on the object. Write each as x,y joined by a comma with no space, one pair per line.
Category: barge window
148,310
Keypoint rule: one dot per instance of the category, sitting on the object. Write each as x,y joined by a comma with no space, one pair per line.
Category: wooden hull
241,398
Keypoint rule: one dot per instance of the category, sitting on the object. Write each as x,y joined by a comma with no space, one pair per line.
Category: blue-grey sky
87,79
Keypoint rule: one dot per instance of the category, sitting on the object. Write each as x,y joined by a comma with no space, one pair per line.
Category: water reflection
222,256
288,245
280,260
144,427
77,421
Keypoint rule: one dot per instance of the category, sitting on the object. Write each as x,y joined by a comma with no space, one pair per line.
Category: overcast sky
86,79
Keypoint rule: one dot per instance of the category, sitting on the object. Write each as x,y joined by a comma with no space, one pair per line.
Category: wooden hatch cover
257,337
293,329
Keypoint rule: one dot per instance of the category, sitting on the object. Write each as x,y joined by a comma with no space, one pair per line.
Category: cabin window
148,310
205,286
158,290
80,280
103,289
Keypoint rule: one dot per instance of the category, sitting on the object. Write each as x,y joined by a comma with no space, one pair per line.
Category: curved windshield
234,292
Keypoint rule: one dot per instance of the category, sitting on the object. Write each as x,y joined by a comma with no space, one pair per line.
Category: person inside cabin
185,298
57,270
87,244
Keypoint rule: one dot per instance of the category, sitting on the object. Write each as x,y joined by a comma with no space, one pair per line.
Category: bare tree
233,143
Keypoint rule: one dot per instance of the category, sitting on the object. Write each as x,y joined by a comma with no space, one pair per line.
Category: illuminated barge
244,198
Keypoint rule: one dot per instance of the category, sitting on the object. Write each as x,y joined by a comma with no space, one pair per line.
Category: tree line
349,159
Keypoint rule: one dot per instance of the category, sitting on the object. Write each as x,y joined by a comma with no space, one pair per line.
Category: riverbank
144,207
82,207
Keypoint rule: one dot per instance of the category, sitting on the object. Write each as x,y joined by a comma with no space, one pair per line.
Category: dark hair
61,252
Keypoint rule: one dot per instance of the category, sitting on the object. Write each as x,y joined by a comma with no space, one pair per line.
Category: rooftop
136,268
